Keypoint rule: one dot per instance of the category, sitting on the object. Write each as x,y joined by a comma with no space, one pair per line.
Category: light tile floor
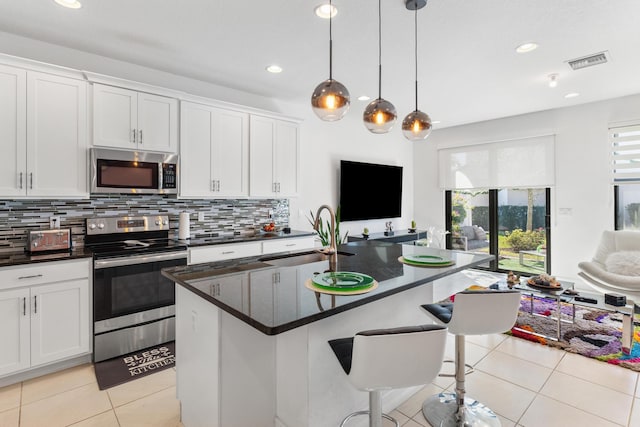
526,384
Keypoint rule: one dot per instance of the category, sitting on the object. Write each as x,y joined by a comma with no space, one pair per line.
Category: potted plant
365,233
412,229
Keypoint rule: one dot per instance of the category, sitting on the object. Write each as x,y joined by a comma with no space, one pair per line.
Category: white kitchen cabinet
223,252
214,152
44,314
59,321
124,118
279,288
289,244
274,164
14,331
43,126
13,130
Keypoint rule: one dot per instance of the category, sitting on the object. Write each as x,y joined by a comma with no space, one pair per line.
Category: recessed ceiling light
275,69
323,11
553,80
527,47
363,98
572,95
71,4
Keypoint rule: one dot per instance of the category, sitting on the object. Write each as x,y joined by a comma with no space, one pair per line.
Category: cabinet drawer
286,245
48,272
223,252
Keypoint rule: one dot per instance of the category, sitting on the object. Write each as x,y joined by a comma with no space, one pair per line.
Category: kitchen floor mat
122,369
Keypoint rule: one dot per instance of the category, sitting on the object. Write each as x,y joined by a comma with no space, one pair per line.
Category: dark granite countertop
238,237
8,259
268,292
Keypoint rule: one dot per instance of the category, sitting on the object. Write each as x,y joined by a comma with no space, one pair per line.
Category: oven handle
138,259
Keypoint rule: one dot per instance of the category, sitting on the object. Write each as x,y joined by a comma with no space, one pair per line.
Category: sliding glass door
512,224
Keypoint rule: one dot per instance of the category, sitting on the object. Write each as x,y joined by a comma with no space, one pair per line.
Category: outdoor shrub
480,216
526,240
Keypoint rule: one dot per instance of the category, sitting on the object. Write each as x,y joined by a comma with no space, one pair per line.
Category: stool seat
472,313
380,359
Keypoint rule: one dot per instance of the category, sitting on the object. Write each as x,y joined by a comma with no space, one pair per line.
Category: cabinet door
115,117
195,150
13,131
59,321
157,123
14,330
56,136
261,172
287,159
233,291
231,153
286,295
260,303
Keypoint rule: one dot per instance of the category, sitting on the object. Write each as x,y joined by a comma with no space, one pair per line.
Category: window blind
625,153
518,163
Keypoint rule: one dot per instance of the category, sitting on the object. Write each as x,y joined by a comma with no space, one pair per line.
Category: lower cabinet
42,322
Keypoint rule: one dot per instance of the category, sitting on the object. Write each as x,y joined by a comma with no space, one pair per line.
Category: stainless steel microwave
133,172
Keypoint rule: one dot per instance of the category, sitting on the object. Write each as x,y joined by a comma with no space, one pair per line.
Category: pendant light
330,100
417,125
380,115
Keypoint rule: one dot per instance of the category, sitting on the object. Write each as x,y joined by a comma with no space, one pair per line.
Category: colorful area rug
595,333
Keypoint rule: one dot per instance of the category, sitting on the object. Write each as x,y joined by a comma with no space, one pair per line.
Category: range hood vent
588,61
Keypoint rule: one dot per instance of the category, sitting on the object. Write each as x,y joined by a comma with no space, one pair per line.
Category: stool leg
375,408
455,409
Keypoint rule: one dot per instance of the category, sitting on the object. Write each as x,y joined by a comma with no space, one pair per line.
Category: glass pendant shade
330,100
416,126
379,116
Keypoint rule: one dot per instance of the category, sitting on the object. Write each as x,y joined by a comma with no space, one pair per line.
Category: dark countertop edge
258,237
9,259
275,330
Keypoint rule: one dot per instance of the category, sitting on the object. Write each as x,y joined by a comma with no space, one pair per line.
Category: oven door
125,288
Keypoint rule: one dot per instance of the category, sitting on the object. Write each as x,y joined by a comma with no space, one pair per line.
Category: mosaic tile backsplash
221,217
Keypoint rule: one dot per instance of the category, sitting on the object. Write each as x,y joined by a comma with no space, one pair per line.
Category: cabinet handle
277,187
217,185
273,187
31,180
24,306
135,135
21,180
35,304
228,252
33,276
140,138
213,185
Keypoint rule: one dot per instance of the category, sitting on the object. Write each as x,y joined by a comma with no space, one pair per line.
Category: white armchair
616,265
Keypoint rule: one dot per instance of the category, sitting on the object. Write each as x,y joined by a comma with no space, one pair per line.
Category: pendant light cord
330,43
379,49
415,26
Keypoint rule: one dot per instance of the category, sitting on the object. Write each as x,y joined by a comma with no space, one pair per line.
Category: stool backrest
396,358
484,312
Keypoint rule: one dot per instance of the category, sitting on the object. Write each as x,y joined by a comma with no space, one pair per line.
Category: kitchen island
252,339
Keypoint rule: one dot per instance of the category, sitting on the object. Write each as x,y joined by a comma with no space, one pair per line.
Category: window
625,164
511,223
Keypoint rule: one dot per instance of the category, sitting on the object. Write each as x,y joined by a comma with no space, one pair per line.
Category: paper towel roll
184,226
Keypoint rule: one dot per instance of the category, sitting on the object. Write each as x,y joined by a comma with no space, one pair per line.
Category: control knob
101,226
92,226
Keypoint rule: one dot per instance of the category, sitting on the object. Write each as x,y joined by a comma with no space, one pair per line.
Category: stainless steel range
133,304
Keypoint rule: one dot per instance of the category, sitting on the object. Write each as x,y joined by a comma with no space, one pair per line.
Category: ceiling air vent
588,61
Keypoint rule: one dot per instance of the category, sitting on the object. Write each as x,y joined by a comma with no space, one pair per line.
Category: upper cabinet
275,157
43,129
214,152
128,119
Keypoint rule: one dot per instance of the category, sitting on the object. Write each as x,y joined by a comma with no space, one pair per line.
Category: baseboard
44,370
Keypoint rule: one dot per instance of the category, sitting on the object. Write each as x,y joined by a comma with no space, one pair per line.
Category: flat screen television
369,191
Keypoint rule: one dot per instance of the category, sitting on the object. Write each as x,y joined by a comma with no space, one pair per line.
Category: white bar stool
383,359
472,313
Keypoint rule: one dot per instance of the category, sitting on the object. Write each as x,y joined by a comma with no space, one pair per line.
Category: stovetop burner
125,236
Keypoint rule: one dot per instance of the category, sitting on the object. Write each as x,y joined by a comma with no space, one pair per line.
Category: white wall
583,182
323,144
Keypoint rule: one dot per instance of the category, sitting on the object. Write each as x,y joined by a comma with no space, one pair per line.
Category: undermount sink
289,260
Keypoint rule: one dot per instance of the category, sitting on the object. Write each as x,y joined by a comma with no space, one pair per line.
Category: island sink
295,259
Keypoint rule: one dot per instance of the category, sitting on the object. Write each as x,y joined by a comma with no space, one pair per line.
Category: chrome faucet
332,230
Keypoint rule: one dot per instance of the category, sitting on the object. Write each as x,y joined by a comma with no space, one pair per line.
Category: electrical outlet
54,222
270,213
200,216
